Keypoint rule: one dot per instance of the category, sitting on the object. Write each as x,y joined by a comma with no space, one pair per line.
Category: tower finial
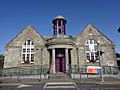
59,17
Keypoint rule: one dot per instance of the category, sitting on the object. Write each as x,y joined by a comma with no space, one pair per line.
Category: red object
89,70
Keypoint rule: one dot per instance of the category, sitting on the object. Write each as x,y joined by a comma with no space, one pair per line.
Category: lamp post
78,68
100,63
78,61
41,63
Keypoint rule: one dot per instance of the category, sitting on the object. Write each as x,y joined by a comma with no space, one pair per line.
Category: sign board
110,63
93,69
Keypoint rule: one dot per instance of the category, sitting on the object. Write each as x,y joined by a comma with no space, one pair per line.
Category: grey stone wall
106,45
12,57
14,49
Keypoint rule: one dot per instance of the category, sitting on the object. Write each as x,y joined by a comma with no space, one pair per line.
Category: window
91,50
59,23
28,52
59,31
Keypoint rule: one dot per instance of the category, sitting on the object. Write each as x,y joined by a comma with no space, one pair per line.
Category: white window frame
91,43
27,49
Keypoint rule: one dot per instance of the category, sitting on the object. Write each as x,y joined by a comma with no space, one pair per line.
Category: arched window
28,52
91,50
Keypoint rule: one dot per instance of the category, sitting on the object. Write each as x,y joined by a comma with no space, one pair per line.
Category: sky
16,15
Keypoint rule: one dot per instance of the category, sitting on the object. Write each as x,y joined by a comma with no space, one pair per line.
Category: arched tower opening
59,26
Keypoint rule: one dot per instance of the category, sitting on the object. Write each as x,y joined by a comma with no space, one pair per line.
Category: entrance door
60,65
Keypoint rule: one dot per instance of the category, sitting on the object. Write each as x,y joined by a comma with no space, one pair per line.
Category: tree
1,61
117,54
119,29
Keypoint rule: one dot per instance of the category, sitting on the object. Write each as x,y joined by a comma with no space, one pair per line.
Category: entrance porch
60,59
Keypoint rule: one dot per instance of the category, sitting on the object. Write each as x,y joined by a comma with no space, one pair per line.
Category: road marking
60,83
44,86
22,85
60,87
76,86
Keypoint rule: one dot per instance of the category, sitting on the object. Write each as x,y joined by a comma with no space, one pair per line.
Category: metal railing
107,70
24,71
37,70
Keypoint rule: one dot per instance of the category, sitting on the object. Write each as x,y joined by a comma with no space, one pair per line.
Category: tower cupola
59,26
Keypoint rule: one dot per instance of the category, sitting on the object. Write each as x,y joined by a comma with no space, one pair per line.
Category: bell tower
59,26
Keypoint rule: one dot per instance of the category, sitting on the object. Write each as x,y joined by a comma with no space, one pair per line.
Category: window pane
32,43
87,42
28,42
32,50
96,47
92,57
28,50
59,31
24,43
32,57
95,42
59,23
88,56
87,47
23,57
24,50
92,53
91,41
28,56
96,56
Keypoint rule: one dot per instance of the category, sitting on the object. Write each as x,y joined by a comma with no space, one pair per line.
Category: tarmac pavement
90,83
78,86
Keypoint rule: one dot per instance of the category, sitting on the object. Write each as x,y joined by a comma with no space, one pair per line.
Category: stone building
60,52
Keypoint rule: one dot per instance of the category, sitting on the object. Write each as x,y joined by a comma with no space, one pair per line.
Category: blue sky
15,15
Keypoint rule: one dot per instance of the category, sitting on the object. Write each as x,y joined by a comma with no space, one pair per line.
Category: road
62,86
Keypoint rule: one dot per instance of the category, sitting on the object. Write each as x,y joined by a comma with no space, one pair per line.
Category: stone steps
59,76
